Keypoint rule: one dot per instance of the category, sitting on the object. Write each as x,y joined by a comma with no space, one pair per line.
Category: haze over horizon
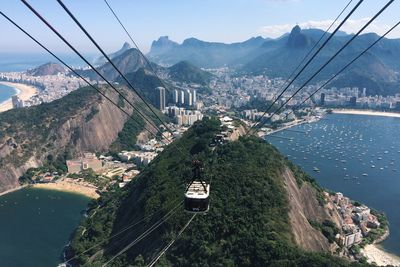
201,20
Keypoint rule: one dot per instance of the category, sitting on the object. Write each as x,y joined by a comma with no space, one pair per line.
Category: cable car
197,192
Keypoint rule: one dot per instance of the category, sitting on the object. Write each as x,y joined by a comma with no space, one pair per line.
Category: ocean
12,62
36,224
6,92
356,155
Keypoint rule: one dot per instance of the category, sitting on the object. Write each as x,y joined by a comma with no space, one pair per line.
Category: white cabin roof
196,190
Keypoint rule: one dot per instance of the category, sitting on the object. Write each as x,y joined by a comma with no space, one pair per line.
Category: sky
210,20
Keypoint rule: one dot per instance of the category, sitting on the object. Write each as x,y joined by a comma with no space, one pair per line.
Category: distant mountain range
141,76
200,53
378,70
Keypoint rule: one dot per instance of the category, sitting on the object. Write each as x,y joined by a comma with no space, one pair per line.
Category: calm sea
22,61
356,155
36,224
6,92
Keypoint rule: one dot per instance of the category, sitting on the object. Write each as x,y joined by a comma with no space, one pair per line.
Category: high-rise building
322,101
188,98
181,98
175,96
17,102
353,101
194,97
364,94
161,98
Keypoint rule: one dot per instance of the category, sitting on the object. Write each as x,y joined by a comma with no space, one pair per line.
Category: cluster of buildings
51,87
17,102
355,97
356,221
182,116
183,105
179,97
140,158
254,115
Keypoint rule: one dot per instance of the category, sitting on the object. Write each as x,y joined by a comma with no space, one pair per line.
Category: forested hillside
247,225
53,132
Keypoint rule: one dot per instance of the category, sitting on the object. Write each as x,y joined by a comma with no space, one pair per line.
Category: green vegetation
328,229
302,177
247,224
32,128
93,112
144,82
185,72
91,177
127,137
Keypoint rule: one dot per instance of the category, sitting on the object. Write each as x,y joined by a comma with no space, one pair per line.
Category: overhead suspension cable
344,68
74,71
143,235
128,227
154,261
149,64
315,45
334,56
90,65
305,66
65,64
112,64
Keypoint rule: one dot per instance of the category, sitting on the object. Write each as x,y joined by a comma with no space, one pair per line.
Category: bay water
357,155
36,224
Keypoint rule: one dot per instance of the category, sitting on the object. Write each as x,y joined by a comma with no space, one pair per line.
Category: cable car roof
197,190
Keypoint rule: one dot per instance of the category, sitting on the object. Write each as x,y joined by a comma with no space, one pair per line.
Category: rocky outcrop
304,207
91,127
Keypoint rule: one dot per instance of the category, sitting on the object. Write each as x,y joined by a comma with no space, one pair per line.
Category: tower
322,99
175,96
194,97
161,98
188,98
181,97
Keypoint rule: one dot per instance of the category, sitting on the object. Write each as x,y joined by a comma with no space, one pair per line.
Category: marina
354,154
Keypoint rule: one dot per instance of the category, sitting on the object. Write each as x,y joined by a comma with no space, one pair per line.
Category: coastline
366,112
24,92
375,253
70,187
12,190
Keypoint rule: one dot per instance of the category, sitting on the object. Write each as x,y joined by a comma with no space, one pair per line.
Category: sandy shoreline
366,112
72,187
12,190
24,92
382,258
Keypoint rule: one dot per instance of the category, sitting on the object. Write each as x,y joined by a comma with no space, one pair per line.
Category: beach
382,258
69,185
366,112
24,92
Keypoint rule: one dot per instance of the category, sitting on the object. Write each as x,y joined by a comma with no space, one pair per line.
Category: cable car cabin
197,197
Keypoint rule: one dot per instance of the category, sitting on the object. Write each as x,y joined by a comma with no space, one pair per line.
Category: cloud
351,26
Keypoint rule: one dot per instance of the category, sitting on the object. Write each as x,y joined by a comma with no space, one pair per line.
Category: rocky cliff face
79,122
304,207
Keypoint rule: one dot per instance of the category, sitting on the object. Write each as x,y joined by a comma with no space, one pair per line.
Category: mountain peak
297,39
162,45
126,46
296,30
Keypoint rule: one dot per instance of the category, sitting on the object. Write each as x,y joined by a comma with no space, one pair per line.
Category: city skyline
200,20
